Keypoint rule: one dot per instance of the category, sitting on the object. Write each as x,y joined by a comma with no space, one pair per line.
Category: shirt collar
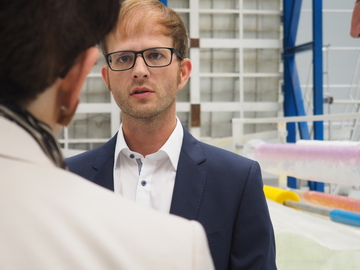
171,148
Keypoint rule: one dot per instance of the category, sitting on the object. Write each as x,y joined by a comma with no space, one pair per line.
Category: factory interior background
237,99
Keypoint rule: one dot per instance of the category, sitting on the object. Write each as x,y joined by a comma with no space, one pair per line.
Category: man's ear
71,85
185,71
105,75
355,21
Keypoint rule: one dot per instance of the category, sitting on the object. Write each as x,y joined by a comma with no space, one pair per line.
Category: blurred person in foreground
155,161
51,218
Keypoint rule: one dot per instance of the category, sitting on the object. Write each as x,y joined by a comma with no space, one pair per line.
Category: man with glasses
154,161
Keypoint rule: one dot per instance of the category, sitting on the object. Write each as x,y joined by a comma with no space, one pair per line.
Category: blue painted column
291,82
318,79
293,101
318,68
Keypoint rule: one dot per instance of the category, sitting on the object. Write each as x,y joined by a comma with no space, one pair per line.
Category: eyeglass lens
154,57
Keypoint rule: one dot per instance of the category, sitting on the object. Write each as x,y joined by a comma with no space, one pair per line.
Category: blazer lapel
190,179
104,165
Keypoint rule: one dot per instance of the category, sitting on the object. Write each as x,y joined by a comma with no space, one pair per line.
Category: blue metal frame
318,68
294,105
293,101
318,79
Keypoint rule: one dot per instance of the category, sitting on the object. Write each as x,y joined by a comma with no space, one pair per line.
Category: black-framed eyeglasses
153,57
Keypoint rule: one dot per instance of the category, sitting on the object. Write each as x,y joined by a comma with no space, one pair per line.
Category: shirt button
132,156
143,183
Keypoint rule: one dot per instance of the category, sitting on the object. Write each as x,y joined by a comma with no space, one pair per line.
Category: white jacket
53,219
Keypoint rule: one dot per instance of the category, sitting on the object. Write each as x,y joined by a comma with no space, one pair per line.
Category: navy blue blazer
218,188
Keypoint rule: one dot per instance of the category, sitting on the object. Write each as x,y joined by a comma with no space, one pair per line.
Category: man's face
144,92
355,21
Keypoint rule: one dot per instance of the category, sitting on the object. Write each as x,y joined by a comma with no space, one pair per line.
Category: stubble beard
149,112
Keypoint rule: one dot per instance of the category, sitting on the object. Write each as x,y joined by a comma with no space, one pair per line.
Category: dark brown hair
41,39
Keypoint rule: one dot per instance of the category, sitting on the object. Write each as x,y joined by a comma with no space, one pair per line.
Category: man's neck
47,99
147,136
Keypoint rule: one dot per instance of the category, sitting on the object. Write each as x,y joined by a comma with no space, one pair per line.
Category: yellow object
280,195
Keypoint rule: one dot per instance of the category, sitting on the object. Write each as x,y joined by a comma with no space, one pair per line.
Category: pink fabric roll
329,164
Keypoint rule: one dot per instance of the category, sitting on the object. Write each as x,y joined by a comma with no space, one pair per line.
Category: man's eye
155,55
124,59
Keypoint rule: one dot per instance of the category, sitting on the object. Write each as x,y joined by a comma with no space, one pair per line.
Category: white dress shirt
148,180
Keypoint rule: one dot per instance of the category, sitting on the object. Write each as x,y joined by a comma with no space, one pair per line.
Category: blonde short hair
170,23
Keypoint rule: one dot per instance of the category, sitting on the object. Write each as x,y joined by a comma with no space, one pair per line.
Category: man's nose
140,69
